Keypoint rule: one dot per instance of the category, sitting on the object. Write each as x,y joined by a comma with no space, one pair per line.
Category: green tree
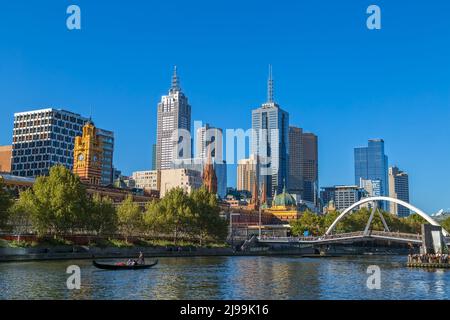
308,221
206,222
446,224
57,203
328,219
153,220
5,204
171,214
414,223
102,217
19,218
130,218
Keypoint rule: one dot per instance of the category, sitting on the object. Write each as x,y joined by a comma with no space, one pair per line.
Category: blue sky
335,77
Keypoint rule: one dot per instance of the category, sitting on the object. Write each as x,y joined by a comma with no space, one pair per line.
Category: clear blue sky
336,78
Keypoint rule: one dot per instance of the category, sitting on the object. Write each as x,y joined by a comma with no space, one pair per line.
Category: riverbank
86,253
90,253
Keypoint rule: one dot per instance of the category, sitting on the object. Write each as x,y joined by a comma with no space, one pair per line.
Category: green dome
284,200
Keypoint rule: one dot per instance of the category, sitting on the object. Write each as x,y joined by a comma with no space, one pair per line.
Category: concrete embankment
74,253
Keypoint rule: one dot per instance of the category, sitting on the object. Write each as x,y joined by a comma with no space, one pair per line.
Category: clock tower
88,154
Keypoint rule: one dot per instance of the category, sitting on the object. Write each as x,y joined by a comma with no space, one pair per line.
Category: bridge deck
349,237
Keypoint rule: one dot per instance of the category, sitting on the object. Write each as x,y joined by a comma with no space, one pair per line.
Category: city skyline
329,94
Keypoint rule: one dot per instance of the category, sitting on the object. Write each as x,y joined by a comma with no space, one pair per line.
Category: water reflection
237,278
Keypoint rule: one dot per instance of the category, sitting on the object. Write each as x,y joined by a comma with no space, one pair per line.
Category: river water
235,278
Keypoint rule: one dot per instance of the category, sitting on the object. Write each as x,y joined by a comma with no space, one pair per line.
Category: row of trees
59,205
357,221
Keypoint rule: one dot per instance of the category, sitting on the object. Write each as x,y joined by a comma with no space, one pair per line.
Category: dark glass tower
271,143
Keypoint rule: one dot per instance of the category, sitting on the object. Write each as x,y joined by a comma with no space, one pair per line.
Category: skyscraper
209,146
174,113
42,139
398,189
295,161
246,174
107,140
209,138
371,163
154,156
270,143
310,167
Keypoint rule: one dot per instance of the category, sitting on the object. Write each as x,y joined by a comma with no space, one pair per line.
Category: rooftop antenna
175,81
270,86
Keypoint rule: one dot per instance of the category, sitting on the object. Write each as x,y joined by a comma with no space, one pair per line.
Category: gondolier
141,259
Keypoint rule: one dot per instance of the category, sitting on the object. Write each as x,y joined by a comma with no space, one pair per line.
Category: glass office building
371,163
107,139
270,142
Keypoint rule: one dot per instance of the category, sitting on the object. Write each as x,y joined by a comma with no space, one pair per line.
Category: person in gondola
141,259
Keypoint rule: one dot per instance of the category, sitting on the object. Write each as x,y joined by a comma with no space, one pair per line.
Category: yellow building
88,153
284,207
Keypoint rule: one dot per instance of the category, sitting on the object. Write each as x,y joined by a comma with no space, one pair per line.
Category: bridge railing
397,235
348,235
312,238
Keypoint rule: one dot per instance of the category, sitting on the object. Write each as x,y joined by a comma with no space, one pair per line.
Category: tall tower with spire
174,116
271,142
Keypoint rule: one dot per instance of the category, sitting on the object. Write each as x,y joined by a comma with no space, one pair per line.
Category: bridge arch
388,199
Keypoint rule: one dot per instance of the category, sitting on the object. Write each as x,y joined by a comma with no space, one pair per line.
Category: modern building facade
186,179
88,155
296,161
372,187
209,147
174,114
5,159
107,140
147,180
399,189
199,164
371,163
270,143
310,148
44,138
209,142
154,157
247,174
342,196
327,195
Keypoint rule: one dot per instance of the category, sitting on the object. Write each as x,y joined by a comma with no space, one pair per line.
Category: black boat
123,267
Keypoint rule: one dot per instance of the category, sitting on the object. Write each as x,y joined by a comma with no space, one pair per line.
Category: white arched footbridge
387,199
367,234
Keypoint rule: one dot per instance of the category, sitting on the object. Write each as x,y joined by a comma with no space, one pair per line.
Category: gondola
123,267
